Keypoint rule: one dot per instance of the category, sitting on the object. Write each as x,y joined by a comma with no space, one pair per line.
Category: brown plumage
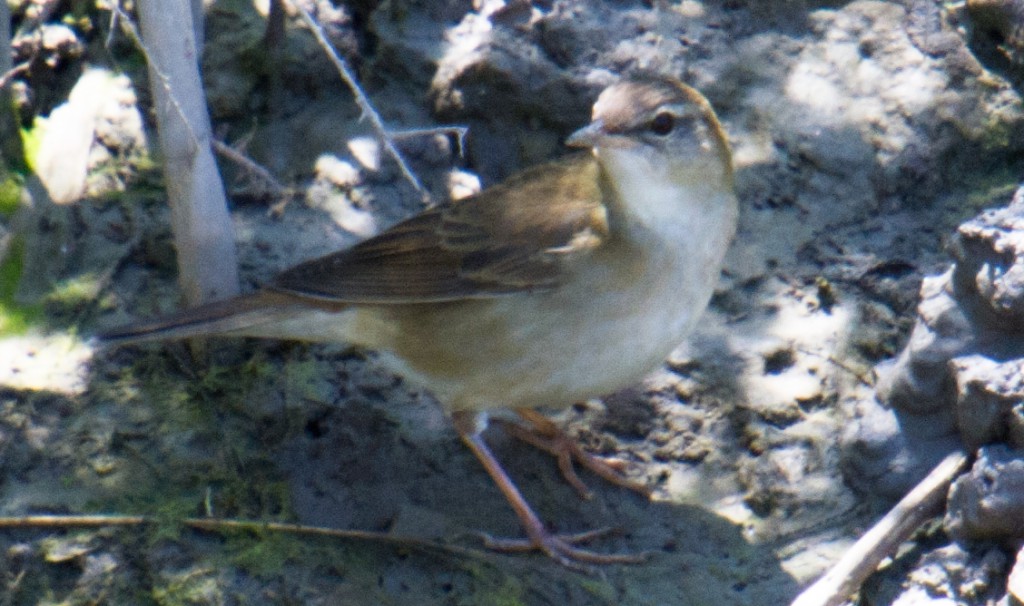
568,281
476,248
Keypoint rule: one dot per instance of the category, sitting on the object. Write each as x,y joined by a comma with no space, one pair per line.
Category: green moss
10,270
600,588
32,140
15,318
1000,127
196,586
169,515
265,554
993,189
130,60
209,459
73,294
301,379
145,163
492,585
250,490
10,195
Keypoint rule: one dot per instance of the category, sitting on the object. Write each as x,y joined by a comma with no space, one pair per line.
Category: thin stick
920,504
224,524
252,167
61,521
112,26
410,133
361,99
217,525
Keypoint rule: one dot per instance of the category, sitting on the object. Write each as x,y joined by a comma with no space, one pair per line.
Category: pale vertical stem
199,218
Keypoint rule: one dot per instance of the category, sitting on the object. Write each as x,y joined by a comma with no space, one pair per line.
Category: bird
568,281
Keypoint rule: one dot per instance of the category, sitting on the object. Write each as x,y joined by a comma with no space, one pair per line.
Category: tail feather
240,316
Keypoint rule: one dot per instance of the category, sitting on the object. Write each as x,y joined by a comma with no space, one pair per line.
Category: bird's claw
563,549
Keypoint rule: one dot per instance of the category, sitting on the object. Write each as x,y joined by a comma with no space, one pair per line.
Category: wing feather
514,237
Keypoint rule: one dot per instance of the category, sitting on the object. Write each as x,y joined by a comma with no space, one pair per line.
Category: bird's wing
514,237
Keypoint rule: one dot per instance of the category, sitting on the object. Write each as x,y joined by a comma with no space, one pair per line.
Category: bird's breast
619,313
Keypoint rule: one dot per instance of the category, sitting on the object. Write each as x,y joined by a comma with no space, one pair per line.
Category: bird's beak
588,136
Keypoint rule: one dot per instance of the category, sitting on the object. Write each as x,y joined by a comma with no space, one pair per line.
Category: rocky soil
867,321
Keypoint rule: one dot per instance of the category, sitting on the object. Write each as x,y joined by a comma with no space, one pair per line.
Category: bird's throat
653,200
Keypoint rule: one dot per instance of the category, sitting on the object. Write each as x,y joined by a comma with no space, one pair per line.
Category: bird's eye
662,124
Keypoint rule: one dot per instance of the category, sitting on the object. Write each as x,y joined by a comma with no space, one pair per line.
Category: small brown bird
568,281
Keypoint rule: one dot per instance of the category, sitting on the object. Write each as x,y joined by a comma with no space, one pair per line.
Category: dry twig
227,524
920,504
362,100
260,173
411,133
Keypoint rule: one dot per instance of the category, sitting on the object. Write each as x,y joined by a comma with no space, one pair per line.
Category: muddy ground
863,133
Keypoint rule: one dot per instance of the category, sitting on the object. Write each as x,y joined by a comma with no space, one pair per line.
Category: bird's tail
248,315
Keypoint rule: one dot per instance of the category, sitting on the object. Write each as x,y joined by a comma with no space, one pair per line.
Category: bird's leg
560,548
547,436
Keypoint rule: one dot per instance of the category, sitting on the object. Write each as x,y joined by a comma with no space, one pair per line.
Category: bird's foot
560,548
563,548
545,435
